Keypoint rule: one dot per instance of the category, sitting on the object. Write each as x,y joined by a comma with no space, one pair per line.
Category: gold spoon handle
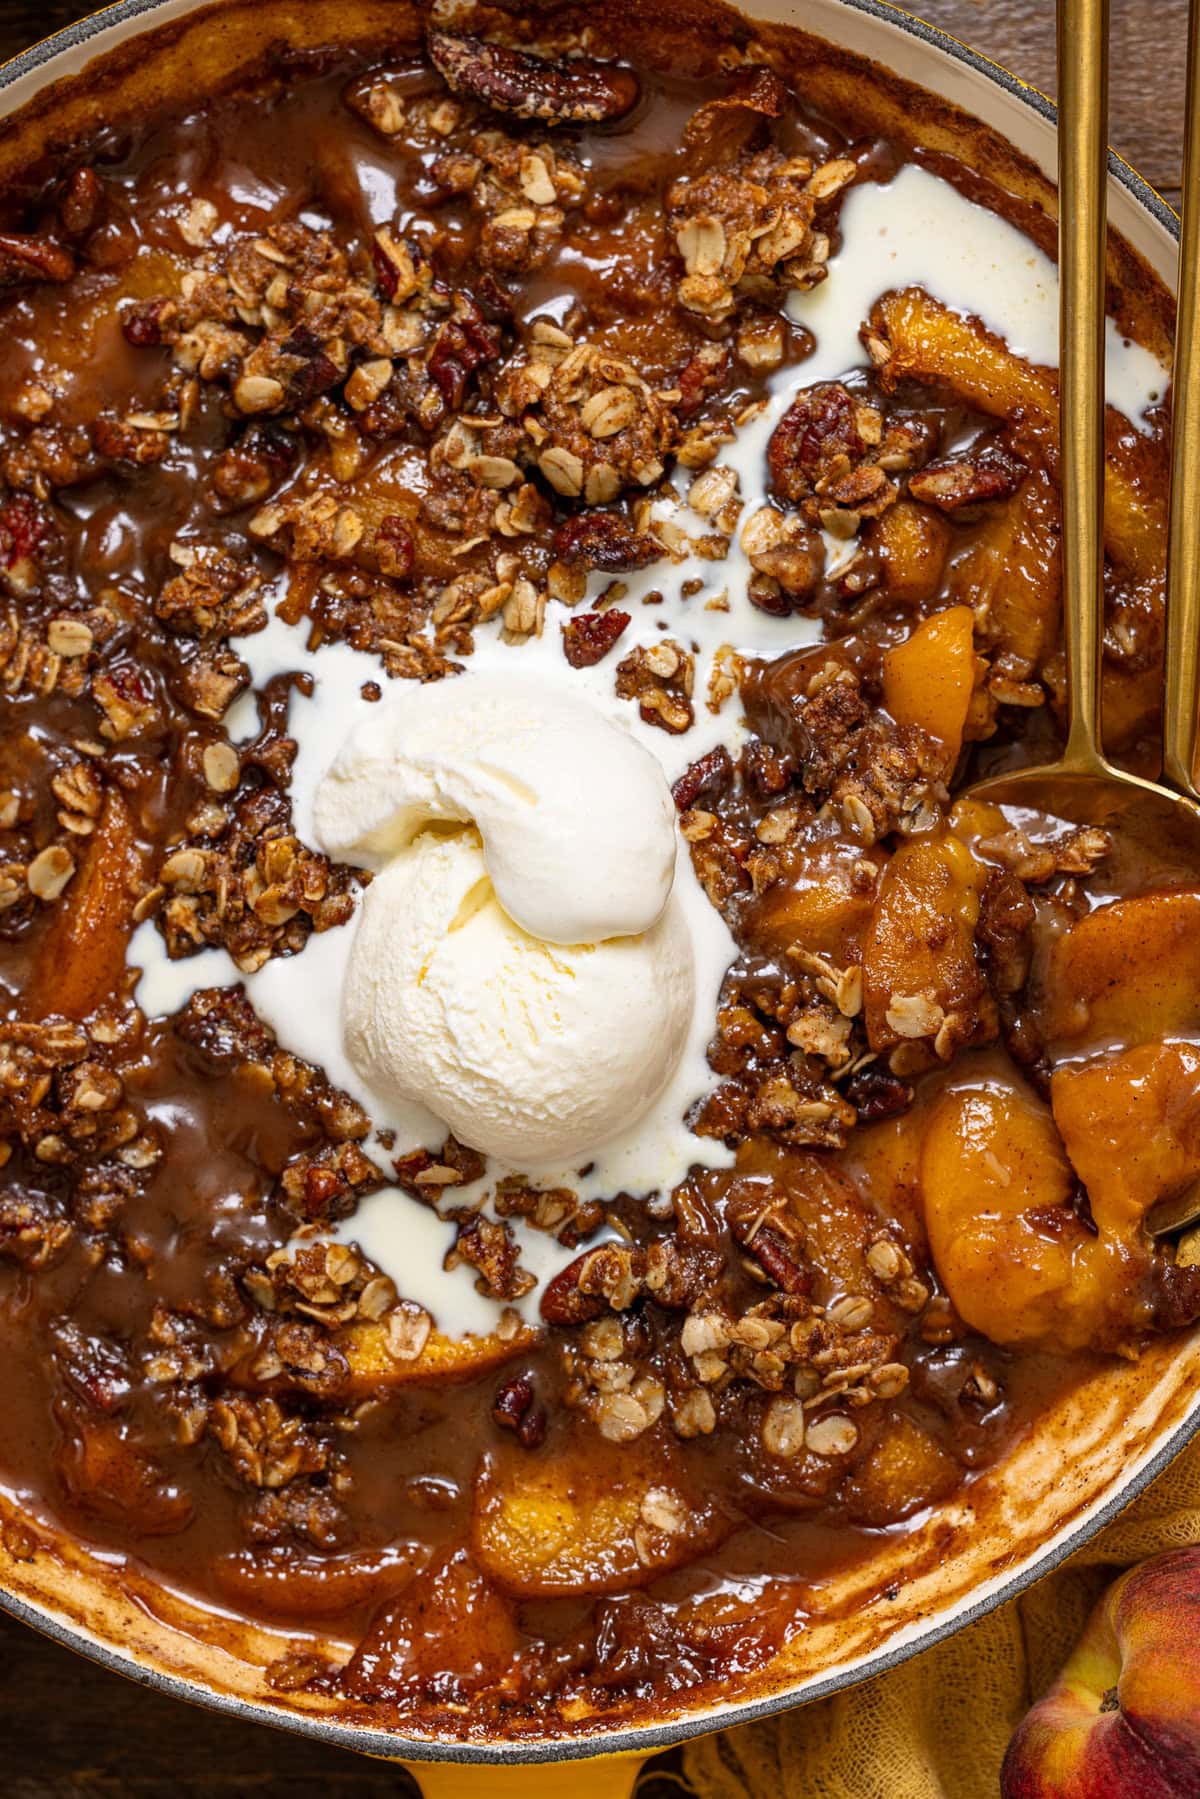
1182,673
1082,263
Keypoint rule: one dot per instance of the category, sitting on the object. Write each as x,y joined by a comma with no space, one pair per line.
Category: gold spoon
1083,786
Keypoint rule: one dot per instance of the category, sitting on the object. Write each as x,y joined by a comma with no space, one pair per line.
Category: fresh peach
1122,1721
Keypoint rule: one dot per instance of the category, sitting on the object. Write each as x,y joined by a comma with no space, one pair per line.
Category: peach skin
1122,1721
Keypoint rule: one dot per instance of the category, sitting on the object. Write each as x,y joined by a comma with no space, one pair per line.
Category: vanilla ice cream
576,817
520,966
535,1052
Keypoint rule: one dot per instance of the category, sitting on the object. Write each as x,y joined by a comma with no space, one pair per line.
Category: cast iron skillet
894,37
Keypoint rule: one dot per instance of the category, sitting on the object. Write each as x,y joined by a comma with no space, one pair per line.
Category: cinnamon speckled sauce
499,1499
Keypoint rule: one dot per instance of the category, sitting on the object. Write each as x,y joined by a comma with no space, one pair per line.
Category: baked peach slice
1012,575
370,1348
819,902
1128,972
928,680
913,542
904,1470
1131,1126
919,965
999,1178
919,339
588,1520
884,1160
449,1619
81,956
288,1583
996,1185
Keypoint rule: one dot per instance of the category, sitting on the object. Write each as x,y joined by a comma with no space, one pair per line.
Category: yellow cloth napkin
937,1727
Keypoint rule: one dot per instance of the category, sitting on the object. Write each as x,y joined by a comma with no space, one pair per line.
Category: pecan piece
464,343
564,1300
711,771
773,1254
817,435
875,1093
528,87
490,1247
24,528
82,203
961,482
604,540
395,550
26,258
700,376
144,322
513,1409
588,638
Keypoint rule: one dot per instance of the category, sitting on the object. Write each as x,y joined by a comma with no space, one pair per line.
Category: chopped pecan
82,203
26,258
395,550
964,481
711,771
700,376
529,87
874,1093
144,323
604,540
250,469
818,434
514,1409
564,1301
775,1255
465,343
425,1175
24,528
327,1183
120,440
490,1247
589,636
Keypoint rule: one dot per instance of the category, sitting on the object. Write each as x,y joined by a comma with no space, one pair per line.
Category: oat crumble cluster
420,431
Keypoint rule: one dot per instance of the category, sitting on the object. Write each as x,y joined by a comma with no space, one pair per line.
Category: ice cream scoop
537,1053
520,965
576,817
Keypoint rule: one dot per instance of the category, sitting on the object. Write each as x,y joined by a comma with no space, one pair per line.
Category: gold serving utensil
1083,786
1181,692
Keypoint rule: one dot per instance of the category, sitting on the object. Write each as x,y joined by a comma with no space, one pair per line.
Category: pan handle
606,1777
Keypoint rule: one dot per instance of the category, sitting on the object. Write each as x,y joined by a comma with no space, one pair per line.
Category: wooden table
67,1728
